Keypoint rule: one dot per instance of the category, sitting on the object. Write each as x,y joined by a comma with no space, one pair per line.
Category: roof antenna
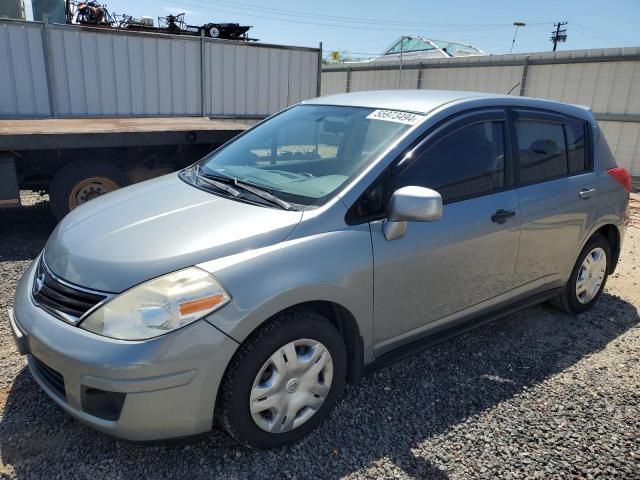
511,89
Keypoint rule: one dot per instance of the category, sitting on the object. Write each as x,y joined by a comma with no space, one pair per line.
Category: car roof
412,100
424,101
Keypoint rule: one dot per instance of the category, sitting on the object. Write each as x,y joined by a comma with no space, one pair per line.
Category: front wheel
588,277
284,380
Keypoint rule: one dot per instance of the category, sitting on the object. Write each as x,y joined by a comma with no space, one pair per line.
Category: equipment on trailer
177,24
97,15
127,21
88,13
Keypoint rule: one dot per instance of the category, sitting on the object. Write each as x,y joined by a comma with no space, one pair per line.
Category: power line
277,19
591,35
363,24
344,22
600,35
358,20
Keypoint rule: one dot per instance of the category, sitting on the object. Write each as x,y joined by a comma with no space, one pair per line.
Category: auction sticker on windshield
396,116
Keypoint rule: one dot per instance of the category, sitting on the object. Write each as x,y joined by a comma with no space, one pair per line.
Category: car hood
155,227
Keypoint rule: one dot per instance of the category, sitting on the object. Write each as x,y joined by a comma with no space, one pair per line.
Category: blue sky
365,28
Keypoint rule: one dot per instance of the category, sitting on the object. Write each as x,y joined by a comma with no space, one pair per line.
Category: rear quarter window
576,132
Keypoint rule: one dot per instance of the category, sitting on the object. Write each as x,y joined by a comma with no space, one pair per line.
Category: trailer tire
212,30
79,182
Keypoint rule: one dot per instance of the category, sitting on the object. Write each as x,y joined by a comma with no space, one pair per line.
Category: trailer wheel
79,182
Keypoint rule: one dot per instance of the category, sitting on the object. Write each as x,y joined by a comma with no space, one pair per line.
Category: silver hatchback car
333,237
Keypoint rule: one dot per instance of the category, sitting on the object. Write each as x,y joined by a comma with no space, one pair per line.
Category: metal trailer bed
76,159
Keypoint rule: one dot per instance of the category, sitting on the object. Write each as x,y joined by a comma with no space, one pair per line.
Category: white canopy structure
416,48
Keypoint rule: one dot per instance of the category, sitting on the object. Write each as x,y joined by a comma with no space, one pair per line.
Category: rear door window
542,150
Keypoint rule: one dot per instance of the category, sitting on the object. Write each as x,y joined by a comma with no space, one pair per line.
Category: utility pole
517,25
558,35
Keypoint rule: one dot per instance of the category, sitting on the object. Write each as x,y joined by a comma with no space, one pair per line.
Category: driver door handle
502,215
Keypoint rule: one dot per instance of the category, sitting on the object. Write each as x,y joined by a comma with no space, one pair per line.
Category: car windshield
308,152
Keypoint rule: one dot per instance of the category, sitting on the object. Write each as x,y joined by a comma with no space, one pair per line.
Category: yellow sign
335,56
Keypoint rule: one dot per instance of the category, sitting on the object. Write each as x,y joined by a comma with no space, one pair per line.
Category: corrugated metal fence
608,80
50,70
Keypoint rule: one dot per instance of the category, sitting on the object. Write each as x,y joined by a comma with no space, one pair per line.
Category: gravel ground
538,394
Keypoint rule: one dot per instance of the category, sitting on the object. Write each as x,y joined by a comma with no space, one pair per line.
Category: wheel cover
90,188
591,275
291,386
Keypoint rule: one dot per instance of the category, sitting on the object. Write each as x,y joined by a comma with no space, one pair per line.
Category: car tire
81,181
594,276
289,384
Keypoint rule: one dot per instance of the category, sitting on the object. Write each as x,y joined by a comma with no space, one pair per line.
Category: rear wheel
284,380
588,277
79,182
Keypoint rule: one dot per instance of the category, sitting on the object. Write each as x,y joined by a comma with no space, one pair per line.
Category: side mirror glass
411,204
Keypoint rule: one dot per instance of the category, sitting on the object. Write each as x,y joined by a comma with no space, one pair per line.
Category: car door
557,191
438,271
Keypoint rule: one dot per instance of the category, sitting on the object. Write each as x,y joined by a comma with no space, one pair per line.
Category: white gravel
538,394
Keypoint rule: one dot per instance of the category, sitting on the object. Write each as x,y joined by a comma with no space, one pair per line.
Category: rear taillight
621,176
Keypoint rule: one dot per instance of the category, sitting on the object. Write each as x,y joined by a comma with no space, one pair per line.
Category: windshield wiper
258,192
215,181
269,197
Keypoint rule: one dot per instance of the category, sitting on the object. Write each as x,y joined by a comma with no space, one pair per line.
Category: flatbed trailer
75,160
85,110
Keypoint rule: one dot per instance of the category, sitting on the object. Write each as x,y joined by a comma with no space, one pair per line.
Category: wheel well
347,325
611,233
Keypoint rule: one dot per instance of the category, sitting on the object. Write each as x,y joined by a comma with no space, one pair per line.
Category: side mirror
411,204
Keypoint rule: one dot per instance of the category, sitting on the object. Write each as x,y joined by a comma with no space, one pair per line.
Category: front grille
51,377
61,298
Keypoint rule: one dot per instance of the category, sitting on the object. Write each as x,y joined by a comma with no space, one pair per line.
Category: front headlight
158,306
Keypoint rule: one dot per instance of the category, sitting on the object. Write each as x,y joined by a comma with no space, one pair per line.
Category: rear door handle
586,193
501,215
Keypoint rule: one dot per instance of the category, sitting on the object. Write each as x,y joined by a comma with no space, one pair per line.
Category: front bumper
169,383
